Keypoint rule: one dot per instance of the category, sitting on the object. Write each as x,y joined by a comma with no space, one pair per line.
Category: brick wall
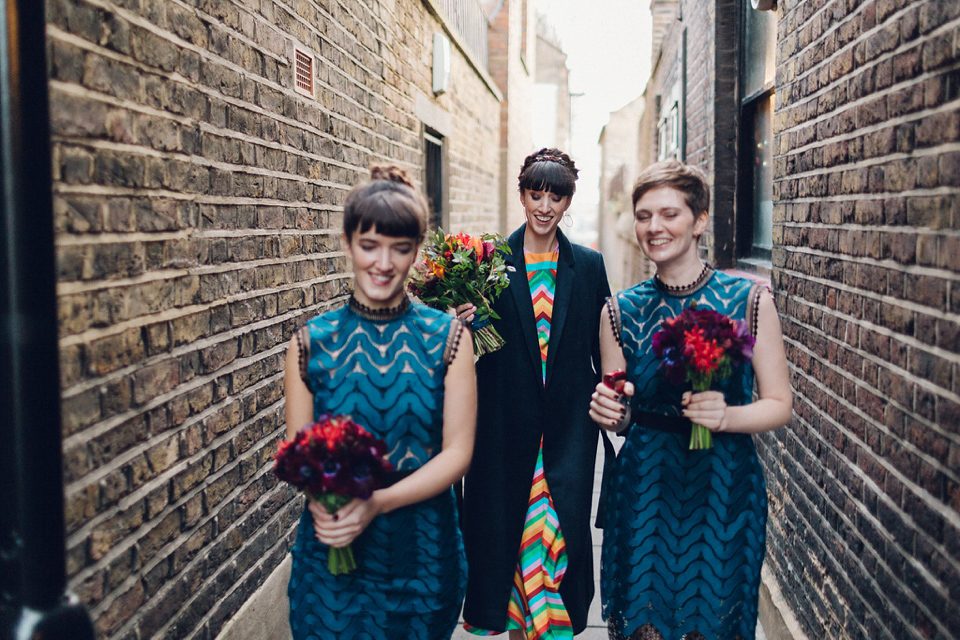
198,199
865,485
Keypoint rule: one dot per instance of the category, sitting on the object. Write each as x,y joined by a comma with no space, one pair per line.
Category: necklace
705,274
379,315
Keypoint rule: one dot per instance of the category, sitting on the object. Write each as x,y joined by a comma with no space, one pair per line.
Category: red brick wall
865,484
198,204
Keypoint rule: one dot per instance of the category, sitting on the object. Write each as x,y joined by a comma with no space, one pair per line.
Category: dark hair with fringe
389,203
549,170
685,178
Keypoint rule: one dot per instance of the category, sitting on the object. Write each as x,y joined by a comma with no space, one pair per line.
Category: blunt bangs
387,207
549,176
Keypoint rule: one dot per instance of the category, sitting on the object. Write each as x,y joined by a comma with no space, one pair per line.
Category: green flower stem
485,340
340,559
700,436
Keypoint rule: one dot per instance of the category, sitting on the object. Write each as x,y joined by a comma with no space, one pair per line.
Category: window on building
668,132
755,189
435,178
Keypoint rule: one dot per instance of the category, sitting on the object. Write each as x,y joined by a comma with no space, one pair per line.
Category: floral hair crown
549,158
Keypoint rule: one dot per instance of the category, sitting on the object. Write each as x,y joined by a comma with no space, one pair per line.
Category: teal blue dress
684,531
387,371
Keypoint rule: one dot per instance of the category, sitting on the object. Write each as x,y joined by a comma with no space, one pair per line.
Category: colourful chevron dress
535,604
387,371
684,535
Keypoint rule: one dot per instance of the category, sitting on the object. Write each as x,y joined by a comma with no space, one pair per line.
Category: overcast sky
608,47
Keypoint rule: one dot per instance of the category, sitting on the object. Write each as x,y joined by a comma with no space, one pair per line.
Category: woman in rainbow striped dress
527,495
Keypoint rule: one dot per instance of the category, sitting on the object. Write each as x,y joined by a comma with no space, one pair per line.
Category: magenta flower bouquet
701,346
332,462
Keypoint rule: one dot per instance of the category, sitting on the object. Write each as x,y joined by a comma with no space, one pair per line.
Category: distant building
550,113
513,59
619,166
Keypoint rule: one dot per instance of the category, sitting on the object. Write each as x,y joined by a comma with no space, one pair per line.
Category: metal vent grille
303,71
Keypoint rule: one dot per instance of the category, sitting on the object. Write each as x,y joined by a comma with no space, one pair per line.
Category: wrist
378,502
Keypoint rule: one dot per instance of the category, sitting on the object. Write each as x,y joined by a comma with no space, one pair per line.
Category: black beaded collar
379,315
686,289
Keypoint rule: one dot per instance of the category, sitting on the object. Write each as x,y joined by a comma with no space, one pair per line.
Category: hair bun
391,173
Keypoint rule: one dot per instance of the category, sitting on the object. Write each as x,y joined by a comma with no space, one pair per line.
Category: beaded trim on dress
379,315
687,289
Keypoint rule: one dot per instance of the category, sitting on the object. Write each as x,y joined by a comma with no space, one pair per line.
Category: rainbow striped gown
535,604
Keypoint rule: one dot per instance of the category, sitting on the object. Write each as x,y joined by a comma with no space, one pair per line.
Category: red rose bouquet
460,269
332,462
701,346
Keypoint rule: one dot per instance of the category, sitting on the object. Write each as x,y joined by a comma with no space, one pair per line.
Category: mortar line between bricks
173,433
865,163
116,237
897,302
200,87
201,161
74,288
169,584
882,495
888,333
159,556
282,540
83,436
281,543
862,37
180,350
859,226
891,18
889,264
80,535
171,37
814,530
200,199
909,446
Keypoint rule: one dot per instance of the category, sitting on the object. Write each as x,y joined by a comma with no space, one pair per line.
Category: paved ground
596,628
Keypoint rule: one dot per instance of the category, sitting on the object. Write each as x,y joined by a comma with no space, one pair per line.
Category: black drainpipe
34,604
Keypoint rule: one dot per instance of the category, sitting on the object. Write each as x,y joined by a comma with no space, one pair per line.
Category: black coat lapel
561,298
520,287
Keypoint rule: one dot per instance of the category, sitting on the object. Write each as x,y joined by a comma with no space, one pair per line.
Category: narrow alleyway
596,628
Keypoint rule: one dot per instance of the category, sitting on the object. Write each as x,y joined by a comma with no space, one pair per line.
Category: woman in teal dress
405,373
684,530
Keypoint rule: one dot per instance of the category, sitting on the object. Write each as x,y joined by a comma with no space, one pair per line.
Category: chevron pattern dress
535,604
684,535
387,371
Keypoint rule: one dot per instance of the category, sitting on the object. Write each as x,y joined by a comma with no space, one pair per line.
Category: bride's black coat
514,410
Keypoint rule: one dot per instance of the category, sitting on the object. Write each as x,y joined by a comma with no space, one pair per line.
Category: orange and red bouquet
459,269
701,346
333,461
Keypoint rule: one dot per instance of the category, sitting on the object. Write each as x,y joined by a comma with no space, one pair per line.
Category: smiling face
543,210
667,229
380,266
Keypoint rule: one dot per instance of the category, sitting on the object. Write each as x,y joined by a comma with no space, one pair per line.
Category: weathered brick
121,609
105,535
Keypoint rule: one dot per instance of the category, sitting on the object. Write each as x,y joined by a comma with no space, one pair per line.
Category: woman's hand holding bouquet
701,346
332,462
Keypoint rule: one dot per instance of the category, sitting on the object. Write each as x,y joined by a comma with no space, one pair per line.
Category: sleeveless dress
684,532
386,370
